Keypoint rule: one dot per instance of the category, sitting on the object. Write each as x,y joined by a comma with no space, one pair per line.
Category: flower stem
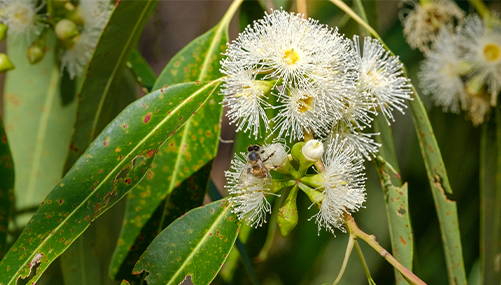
349,248
364,264
302,8
371,240
481,8
225,21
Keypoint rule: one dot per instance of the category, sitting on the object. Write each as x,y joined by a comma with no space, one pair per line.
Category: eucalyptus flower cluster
296,79
462,71
76,24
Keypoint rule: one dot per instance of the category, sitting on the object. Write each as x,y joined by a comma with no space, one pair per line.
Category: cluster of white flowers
423,22
463,68
94,15
291,76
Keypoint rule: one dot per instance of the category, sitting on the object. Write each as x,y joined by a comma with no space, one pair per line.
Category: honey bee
255,162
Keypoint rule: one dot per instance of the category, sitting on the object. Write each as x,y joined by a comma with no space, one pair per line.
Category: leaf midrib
195,250
35,251
44,121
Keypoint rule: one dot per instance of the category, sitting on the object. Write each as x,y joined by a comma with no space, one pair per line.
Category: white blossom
423,22
94,14
481,41
296,55
20,16
344,185
441,72
363,143
381,77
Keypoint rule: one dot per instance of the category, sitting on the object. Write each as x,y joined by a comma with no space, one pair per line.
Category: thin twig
371,240
349,248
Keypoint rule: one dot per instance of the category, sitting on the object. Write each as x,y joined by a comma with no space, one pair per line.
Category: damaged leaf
98,180
439,182
195,245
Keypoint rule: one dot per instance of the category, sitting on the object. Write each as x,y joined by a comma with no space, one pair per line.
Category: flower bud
3,31
5,63
313,150
36,51
66,30
287,216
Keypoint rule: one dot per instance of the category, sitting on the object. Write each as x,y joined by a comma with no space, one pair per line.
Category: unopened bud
35,54
76,16
313,150
287,216
66,30
5,63
3,31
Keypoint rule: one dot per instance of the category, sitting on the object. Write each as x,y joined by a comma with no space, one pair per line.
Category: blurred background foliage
304,257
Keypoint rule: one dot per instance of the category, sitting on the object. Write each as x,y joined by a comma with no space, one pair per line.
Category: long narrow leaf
439,182
195,245
490,200
115,162
117,41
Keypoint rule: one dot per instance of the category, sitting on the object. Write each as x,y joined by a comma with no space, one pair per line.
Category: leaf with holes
180,173
115,162
117,41
439,182
6,188
36,122
195,245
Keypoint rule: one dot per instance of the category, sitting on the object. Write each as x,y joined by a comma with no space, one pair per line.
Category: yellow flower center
491,52
305,103
291,56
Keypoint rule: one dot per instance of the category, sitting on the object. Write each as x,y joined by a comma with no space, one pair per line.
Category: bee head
253,157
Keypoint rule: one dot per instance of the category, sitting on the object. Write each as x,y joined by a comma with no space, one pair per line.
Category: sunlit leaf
195,245
115,162
38,125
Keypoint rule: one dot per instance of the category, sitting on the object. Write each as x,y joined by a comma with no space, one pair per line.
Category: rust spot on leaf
147,118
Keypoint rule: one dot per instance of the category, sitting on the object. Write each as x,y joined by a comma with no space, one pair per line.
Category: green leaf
115,162
142,71
490,200
117,41
439,182
124,282
397,210
82,263
6,189
182,167
195,245
36,122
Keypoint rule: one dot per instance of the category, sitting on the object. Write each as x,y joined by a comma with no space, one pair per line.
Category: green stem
349,248
364,264
481,8
230,12
272,228
353,229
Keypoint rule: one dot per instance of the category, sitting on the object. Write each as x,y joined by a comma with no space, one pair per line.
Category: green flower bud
66,30
287,216
5,63
296,150
3,31
35,54
76,16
